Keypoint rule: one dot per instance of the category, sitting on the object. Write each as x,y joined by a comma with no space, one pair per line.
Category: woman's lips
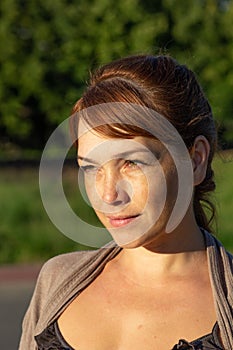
121,221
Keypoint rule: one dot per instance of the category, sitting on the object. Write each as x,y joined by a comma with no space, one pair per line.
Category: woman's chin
128,240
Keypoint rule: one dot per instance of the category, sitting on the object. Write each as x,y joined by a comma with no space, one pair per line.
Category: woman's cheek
140,193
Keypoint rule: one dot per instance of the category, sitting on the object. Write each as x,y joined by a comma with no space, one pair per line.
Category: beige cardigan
62,278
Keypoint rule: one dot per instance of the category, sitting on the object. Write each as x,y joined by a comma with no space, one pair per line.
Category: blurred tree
47,48
202,39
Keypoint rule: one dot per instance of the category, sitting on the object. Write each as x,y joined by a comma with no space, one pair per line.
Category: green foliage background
48,47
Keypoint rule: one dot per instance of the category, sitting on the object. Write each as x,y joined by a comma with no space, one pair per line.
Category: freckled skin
153,184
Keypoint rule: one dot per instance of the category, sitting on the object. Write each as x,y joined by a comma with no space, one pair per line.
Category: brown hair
162,84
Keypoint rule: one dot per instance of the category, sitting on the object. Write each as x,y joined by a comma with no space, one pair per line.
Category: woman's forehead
95,146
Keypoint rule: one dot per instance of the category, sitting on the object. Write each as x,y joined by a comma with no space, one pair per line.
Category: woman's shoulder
60,278
56,271
61,262
75,265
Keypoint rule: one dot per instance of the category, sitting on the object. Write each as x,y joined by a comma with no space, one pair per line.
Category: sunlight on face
125,182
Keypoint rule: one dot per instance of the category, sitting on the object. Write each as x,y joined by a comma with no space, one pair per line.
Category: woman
168,283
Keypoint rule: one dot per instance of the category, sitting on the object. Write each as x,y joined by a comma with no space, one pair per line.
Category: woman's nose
109,191
109,195
112,191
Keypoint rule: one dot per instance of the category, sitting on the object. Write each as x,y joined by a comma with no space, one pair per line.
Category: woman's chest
127,316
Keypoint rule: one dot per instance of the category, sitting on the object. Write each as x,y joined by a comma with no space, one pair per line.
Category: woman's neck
178,254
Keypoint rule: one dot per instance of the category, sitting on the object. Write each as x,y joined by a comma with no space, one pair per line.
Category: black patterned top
52,339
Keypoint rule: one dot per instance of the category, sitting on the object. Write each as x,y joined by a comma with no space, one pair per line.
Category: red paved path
19,272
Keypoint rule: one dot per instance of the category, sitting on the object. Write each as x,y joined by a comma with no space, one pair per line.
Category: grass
223,166
27,235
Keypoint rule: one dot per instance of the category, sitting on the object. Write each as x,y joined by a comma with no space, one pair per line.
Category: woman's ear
199,156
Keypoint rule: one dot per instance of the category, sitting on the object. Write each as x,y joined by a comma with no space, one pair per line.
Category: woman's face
131,184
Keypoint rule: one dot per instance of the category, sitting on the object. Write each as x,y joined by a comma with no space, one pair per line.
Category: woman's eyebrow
117,155
86,159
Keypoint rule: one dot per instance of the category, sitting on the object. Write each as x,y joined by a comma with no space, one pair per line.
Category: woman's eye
134,164
89,169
